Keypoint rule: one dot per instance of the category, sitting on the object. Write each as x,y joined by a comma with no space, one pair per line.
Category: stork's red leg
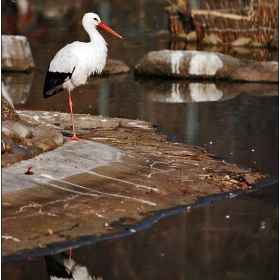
70,254
74,137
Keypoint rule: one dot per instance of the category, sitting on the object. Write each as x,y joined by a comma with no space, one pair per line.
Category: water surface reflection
183,91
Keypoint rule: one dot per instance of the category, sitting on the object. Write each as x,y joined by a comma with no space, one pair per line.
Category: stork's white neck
93,33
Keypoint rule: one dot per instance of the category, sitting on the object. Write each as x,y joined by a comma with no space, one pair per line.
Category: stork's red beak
103,26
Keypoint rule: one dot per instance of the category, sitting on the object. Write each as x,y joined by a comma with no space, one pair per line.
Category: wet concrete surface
121,173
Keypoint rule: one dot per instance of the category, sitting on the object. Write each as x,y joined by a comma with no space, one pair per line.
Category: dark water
218,241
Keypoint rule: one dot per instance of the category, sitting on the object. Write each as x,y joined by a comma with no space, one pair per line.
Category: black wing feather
56,269
54,81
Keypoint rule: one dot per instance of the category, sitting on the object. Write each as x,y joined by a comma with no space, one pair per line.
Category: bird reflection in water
64,267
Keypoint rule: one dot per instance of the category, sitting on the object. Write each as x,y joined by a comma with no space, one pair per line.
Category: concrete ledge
120,175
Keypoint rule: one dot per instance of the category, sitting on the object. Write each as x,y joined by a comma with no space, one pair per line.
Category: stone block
16,54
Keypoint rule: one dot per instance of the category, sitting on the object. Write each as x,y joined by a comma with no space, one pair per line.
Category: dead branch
222,15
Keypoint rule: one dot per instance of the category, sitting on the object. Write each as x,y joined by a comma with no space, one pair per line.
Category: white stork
74,63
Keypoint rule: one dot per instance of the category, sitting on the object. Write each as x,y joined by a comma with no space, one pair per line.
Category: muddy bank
118,176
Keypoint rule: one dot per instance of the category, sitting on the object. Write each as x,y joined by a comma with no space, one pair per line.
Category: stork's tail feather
53,83
53,91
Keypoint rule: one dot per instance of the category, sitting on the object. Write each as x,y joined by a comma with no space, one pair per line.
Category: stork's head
92,19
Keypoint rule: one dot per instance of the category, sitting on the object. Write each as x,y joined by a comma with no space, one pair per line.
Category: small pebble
39,143
43,132
22,130
3,146
48,141
11,133
20,151
7,141
262,224
8,159
17,143
34,150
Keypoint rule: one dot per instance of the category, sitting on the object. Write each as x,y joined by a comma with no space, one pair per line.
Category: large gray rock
16,54
257,72
22,130
115,67
197,65
187,64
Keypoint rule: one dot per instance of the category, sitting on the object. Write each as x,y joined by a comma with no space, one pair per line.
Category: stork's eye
95,19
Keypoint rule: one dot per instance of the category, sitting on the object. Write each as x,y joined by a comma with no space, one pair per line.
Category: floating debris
49,231
262,224
184,191
28,172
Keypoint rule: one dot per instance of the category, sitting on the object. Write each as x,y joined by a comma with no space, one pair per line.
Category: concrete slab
118,176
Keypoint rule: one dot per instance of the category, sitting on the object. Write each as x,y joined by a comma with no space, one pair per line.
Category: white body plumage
84,58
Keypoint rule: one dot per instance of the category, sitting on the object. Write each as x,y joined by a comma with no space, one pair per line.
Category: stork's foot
75,137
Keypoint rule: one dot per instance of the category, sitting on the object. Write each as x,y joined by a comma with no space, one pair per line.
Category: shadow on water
230,239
